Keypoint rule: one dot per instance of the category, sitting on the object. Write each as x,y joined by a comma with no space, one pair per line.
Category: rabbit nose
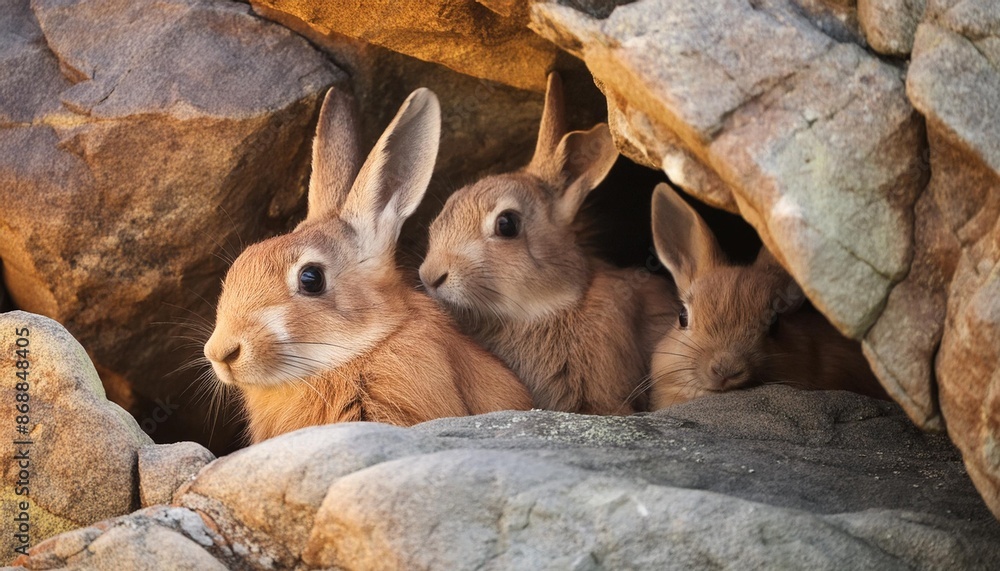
232,355
724,371
223,354
437,283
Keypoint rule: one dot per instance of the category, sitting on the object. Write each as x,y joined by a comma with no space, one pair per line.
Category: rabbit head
308,301
727,331
505,246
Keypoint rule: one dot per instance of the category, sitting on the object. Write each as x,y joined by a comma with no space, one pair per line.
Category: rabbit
503,256
318,326
740,326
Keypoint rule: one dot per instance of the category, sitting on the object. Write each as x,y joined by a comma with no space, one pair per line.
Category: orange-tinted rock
954,81
463,35
74,461
133,154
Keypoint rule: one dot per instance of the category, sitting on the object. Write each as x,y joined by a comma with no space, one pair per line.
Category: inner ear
684,243
396,174
336,158
583,160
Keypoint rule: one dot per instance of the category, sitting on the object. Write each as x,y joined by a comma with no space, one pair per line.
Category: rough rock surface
463,35
816,144
952,296
764,478
890,25
163,468
80,448
134,155
152,539
811,140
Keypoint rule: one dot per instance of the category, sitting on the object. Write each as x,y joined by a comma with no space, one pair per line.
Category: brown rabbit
318,326
740,325
504,257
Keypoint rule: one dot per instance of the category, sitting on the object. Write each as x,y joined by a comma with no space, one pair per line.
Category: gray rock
890,25
135,155
811,140
762,478
163,468
936,340
154,538
80,448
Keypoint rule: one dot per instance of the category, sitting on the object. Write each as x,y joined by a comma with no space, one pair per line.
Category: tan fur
578,332
423,370
732,339
366,347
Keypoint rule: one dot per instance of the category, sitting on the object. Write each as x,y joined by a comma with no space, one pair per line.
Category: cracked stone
126,177
890,25
935,345
829,476
82,451
812,141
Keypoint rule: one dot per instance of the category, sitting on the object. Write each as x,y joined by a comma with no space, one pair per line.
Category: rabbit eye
682,317
508,224
311,280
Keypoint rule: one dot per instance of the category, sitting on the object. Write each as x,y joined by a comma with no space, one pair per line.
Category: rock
811,140
149,539
288,479
889,25
835,18
951,298
462,35
80,448
135,155
165,467
770,477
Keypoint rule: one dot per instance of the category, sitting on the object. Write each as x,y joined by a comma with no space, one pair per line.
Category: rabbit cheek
457,277
674,372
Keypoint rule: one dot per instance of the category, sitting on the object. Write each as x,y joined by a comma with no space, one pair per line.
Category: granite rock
74,461
762,478
163,468
135,156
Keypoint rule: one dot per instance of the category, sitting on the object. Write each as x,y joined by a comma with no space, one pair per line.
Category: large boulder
811,140
141,145
763,478
938,334
70,455
486,40
815,143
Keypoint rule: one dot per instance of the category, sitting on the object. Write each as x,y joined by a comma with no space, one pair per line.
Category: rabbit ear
574,163
335,157
553,126
585,158
394,178
684,243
